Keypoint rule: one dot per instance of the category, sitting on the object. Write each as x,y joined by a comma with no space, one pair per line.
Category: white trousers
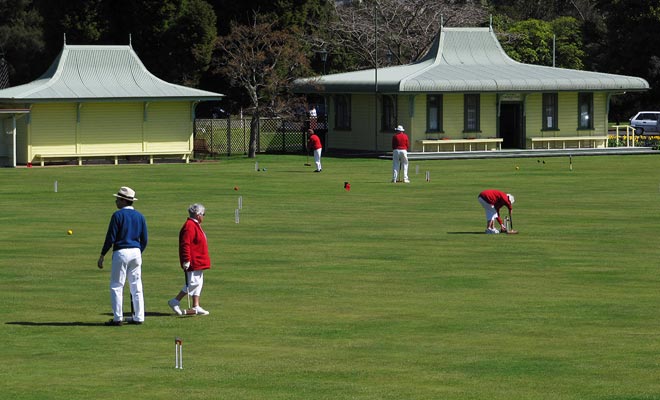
126,263
491,213
399,158
195,283
317,158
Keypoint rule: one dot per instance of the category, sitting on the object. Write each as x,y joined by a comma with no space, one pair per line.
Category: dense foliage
178,40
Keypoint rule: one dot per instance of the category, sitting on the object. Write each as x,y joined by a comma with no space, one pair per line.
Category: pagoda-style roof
468,60
100,73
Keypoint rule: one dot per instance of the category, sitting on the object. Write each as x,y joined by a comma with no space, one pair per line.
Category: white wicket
428,176
240,202
237,216
178,353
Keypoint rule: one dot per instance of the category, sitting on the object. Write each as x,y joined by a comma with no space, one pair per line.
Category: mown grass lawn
386,291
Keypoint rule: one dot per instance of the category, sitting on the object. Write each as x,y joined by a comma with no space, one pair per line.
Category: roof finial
490,24
65,38
442,21
130,40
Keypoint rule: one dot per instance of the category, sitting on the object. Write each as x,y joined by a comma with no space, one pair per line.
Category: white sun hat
126,193
511,198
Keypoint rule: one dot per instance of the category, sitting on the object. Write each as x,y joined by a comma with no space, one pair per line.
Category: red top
400,141
314,142
193,246
497,199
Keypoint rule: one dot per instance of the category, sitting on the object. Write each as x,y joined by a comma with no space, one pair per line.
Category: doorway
511,125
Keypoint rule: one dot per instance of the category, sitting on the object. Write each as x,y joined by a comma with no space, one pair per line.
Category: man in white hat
400,146
127,235
492,200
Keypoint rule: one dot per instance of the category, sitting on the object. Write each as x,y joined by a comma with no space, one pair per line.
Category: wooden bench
80,156
470,142
593,141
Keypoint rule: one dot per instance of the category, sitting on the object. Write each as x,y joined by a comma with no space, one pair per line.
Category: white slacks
399,158
317,159
491,213
126,263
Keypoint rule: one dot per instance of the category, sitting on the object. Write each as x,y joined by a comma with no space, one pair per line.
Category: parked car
646,121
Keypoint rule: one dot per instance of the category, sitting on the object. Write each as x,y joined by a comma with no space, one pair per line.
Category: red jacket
497,199
314,142
400,141
193,246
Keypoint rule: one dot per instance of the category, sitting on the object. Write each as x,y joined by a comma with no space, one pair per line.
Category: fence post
212,135
228,135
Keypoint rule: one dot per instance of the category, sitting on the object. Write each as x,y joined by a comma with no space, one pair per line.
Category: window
388,122
585,110
343,111
550,111
434,113
471,113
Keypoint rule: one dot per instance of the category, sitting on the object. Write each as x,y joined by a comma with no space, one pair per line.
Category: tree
82,21
531,42
192,41
569,52
174,38
547,10
631,48
21,41
404,29
263,61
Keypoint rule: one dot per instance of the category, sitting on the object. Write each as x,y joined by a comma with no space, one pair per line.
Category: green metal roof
468,60
100,73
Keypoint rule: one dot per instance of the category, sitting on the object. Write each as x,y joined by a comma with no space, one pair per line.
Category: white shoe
200,311
406,181
174,305
492,231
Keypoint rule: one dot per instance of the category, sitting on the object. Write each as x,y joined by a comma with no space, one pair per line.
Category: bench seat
80,156
471,143
591,141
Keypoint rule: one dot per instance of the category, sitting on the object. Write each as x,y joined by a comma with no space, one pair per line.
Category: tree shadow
466,233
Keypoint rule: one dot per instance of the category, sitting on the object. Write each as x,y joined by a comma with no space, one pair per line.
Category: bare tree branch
404,29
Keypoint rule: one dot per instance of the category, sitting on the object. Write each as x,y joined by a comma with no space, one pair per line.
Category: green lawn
389,291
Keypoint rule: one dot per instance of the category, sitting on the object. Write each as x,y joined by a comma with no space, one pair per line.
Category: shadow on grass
30,323
466,233
79,323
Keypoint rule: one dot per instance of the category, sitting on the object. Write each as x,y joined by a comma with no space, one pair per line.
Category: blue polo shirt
127,230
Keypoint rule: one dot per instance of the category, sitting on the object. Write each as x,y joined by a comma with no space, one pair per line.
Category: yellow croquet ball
517,167
69,232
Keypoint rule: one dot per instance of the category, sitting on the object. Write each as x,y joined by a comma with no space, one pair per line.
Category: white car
646,121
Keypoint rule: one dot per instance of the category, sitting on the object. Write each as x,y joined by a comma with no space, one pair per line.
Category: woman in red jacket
194,258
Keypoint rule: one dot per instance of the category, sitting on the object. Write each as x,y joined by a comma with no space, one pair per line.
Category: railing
630,135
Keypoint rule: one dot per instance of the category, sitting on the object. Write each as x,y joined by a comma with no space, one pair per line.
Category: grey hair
195,210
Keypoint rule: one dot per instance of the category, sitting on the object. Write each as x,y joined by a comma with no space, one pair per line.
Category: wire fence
227,137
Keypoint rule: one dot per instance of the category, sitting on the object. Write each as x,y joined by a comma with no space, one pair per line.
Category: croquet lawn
386,291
